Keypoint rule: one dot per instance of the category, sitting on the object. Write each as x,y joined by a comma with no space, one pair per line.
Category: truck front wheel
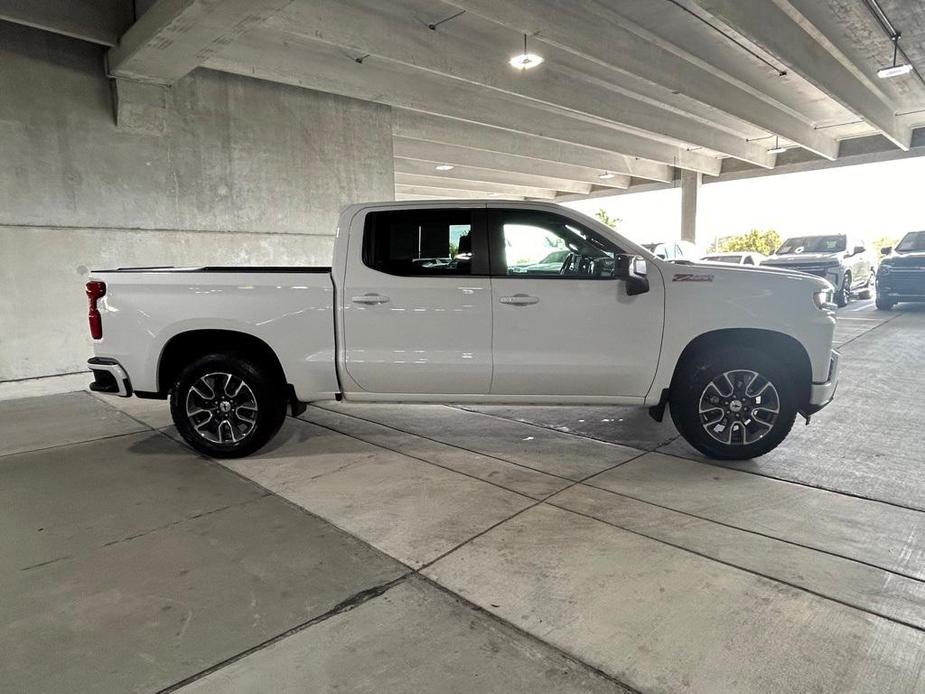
226,405
843,293
733,404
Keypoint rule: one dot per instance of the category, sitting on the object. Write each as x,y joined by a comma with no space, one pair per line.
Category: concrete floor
397,549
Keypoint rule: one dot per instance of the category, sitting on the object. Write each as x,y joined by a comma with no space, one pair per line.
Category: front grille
902,281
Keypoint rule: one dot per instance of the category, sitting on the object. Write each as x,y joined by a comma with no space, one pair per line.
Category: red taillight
95,292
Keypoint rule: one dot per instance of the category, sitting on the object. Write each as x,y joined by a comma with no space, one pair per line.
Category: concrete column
690,187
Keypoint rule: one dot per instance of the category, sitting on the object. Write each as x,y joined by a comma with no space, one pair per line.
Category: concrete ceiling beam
97,21
471,173
404,192
470,50
781,29
484,187
480,138
308,63
436,153
596,32
174,37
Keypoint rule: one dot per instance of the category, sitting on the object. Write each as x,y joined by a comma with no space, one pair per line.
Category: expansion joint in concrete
343,606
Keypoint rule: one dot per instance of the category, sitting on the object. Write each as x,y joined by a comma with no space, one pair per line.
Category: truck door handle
370,299
519,300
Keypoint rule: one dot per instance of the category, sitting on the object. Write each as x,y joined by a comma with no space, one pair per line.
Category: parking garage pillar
690,187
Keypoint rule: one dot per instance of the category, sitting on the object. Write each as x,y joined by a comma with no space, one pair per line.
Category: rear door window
426,242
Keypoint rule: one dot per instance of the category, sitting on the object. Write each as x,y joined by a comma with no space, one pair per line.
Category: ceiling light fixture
777,149
444,167
494,195
606,176
894,70
526,60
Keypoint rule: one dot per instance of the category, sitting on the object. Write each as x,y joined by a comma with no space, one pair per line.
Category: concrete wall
244,171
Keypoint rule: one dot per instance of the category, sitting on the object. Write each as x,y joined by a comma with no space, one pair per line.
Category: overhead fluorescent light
606,176
444,167
494,195
894,71
526,60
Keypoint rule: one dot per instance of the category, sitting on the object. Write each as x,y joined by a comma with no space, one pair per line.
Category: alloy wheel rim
739,407
222,408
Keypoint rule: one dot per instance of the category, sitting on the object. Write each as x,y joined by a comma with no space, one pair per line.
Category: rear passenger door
416,304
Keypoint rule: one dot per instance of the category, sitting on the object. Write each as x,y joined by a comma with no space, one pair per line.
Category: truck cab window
537,244
419,242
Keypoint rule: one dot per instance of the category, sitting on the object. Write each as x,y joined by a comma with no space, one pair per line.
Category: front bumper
902,283
821,394
109,377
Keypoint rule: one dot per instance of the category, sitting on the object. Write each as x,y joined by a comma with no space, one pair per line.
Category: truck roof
451,202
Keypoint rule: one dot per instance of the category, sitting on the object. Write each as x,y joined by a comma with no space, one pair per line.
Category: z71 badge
689,277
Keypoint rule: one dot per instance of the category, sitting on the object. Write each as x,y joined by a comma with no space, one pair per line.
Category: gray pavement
393,549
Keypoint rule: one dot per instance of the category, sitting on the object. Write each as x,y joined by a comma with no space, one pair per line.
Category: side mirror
623,270
858,249
886,250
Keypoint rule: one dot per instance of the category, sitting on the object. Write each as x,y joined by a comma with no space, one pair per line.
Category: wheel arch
185,347
781,346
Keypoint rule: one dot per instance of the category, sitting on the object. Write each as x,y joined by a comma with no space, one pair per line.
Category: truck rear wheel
226,405
734,404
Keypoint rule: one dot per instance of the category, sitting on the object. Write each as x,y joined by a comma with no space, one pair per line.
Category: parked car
901,276
844,262
551,264
673,250
744,258
735,352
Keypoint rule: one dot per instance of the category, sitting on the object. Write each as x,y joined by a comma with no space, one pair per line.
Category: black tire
843,294
249,414
692,386
883,303
867,291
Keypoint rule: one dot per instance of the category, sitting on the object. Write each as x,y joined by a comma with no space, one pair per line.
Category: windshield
913,241
813,244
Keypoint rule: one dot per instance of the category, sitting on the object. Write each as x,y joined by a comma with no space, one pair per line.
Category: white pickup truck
453,302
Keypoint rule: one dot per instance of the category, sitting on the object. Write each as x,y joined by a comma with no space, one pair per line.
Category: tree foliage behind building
756,240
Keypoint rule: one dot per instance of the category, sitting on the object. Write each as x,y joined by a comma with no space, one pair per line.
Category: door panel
557,333
580,337
416,320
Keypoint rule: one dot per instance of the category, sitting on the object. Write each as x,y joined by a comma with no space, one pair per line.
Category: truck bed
290,309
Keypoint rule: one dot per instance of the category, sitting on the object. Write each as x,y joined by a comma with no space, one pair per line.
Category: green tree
756,240
605,217
882,242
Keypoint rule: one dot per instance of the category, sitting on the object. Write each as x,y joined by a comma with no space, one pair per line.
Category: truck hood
760,273
911,260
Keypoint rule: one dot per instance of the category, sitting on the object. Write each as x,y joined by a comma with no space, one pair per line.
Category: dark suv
844,262
902,275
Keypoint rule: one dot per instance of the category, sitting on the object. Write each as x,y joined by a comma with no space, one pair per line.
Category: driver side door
572,330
